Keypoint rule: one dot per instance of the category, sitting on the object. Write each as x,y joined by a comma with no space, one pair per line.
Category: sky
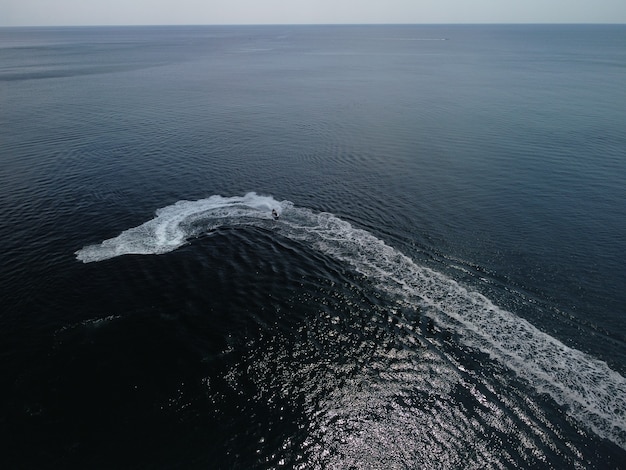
154,12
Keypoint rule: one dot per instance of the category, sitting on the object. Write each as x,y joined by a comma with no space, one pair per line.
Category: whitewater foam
593,393
174,225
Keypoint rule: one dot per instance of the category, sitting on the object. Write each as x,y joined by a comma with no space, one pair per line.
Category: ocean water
444,286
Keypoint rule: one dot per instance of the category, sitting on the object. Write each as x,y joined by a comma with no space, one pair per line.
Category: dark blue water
444,287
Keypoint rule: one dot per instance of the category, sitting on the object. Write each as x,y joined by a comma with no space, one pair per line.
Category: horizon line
131,25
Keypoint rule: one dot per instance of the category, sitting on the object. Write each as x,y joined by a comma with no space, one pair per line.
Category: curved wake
593,393
174,225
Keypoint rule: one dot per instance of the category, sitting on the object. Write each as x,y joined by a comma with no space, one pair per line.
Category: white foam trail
175,224
593,393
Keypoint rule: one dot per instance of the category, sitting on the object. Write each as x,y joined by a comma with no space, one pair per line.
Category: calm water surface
444,287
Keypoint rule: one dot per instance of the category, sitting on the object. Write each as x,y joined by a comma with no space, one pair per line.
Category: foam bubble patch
174,225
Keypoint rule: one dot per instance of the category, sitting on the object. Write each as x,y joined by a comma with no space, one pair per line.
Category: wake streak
593,393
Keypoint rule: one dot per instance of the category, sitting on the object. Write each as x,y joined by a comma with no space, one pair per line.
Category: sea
443,285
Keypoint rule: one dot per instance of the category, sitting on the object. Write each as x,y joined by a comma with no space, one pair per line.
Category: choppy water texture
443,287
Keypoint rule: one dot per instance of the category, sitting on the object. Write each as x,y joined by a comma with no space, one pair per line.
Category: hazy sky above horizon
138,12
